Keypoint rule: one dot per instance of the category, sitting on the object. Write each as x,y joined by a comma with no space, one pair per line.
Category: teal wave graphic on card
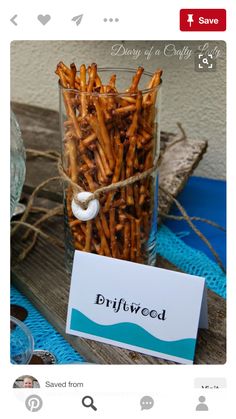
132,334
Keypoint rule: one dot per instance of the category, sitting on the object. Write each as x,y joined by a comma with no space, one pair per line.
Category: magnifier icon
87,401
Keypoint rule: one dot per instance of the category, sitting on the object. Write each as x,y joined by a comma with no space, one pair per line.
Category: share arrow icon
13,20
77,19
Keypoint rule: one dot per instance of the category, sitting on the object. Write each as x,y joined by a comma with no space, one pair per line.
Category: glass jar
109,135
21,342
17,163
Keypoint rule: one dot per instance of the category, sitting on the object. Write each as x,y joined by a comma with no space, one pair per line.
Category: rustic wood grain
42,277
178,161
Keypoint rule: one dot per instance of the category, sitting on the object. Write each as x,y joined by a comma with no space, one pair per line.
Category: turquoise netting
45,336
190,260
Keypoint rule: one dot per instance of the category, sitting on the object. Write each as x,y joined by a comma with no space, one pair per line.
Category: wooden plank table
42,276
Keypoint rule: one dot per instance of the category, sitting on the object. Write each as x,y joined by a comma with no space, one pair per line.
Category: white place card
142,308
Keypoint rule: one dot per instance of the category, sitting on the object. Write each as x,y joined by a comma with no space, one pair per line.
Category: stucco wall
196,99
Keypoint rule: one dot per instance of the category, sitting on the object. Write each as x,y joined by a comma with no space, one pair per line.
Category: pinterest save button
202,20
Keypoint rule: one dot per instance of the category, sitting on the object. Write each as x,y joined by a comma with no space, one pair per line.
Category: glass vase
21,342
109,135
17,163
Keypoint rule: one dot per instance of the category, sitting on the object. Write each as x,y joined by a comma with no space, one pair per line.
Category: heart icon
44,19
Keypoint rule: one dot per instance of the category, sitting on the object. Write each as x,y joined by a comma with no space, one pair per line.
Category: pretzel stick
129,216
98,248
154,82
138,240
150,114
112,137
107,169
126,100
122,177
137,165
143,187
104,134
87,247
67,72
83,228
91,184
79,235
68,105
69,196
72,75
86,142
112,82
111,101
63,68
136,200
119,159
100,170
70,144
129,169
133,127
133,241
135,81
116,175
156,79
83,90
95,126
87,160
148,128
119,203
74,223
98,82
78,244
105,225
104,104
126,252
112,223
117,142
92,77
104,245
124,109
146,136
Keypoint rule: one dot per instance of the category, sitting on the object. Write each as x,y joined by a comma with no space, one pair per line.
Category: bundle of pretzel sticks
109,136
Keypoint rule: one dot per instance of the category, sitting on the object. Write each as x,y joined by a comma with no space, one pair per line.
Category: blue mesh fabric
190,260
45,336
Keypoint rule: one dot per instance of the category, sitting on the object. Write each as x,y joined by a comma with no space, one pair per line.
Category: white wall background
196,99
